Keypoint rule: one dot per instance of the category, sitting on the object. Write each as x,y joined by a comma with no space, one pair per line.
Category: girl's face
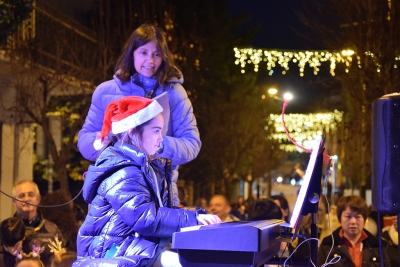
147,59
152,137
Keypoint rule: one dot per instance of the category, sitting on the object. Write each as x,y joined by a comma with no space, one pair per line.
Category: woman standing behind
146,68
131,219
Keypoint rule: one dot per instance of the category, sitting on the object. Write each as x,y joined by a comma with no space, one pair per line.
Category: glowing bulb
272,91
287,96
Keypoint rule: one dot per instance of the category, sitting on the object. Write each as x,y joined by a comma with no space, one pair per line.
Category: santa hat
127,113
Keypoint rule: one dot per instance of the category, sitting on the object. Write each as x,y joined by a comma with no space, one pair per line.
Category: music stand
311,204
307,202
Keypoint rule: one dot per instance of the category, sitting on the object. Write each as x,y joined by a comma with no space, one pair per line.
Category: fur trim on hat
127,113
138,118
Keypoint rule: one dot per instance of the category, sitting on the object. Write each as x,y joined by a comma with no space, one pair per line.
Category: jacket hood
109,161
174,79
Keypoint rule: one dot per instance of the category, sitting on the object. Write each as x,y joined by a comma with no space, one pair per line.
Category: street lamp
287,97
272,91
273,94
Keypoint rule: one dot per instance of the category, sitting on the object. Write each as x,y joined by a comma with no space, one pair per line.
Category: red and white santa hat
127,113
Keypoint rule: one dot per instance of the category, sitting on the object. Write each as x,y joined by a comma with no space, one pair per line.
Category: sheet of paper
163,100
191,228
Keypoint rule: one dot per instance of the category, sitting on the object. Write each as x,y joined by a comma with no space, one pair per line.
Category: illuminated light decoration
302,58
303,128
314,59
272,91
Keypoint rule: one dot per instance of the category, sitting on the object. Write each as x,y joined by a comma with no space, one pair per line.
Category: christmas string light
303,128
272,58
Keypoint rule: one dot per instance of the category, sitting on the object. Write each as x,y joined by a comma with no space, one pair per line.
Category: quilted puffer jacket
127,221
182,141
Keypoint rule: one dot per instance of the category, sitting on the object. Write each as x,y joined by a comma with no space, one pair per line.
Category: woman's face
352,223
152,137
147,59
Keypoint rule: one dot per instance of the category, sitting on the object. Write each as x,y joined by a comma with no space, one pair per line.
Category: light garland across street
313,59
303,128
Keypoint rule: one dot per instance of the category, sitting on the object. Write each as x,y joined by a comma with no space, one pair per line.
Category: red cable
286,130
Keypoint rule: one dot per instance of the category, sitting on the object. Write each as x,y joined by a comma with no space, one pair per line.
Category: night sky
279,26
278,22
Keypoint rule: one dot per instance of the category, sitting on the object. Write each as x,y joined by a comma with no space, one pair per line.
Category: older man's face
26,192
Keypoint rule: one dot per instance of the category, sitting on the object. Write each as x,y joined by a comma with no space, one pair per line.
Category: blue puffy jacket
125,211
182,143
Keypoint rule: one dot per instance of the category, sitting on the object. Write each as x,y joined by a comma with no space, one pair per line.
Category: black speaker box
386,154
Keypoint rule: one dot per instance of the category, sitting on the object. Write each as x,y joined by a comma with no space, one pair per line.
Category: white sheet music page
191,228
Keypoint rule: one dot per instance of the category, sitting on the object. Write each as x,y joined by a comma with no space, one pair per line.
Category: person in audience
17,242
12,238
202,203
26,199
390,238
219,205
282,202
249,201
302,248
29,262
355,245
132,218
264,209
183,196
267,209
79,213
331,222
62,215
240,207
321,214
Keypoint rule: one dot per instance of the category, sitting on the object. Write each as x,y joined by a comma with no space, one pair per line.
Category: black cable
398,237
380,239
40,206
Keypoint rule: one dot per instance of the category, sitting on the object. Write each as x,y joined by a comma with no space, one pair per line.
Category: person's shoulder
371,239
176,93
47,227
327,241
175,87
232,218
107,87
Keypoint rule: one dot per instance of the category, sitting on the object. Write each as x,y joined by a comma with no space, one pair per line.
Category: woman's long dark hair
141,36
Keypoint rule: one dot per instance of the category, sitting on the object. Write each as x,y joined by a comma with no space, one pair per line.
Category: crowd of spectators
347,233
50,233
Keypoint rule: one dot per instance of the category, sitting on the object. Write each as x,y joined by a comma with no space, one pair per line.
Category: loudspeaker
385,178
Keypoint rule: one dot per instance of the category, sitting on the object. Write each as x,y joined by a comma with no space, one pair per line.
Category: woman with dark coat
353,245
